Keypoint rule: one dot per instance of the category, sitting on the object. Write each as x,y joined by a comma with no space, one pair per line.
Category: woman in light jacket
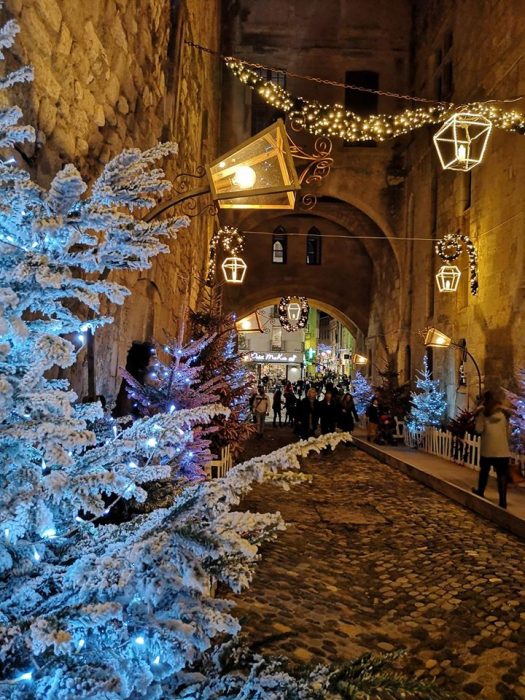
493,426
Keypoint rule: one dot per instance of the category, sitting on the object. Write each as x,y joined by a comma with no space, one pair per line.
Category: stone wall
113,74
486,204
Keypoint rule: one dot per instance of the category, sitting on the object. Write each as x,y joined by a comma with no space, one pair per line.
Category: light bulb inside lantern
246,324
244,177
462,152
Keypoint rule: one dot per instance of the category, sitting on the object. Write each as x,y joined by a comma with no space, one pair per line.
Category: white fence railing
444,444
220,467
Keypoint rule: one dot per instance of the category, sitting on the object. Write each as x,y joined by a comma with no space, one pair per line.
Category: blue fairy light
151,442
139,640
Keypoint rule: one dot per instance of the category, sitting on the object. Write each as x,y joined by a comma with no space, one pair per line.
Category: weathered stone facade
115,74
399,188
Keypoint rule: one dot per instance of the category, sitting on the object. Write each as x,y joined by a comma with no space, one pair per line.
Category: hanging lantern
447,278
435,338
293,312
234,270
293,315
462,140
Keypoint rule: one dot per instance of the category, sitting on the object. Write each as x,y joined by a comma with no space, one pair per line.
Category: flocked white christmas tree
429,404
362,392
89,609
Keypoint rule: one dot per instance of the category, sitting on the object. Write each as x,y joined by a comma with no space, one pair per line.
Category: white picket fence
444,444
220,467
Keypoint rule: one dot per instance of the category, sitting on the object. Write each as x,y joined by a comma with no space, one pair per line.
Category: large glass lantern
462,140
258,174
249,324
447,278
437,339
234,269
360,360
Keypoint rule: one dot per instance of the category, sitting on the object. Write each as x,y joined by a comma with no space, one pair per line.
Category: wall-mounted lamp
437,339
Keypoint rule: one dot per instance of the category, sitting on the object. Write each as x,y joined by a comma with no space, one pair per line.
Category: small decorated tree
223,364
394,399
428,404
517,419
362,391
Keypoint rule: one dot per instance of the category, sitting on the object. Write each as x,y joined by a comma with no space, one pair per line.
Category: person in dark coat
372,413
308,414
347,413
328,413
290,402
277,406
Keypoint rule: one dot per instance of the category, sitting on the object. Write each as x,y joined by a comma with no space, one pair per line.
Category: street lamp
360,360
249,324
257,174
436,339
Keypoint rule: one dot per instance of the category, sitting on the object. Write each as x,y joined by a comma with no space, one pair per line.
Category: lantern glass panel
257,174
249,324
359,359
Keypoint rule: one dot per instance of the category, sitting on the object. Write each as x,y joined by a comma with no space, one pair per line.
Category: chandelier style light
448,277
462,140
293,313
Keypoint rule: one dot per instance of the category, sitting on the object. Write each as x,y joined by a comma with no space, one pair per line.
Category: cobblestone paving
373,560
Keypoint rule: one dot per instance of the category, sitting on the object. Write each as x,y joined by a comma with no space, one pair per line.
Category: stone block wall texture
115,74
486,204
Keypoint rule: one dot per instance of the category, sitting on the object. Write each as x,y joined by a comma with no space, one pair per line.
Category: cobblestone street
373,560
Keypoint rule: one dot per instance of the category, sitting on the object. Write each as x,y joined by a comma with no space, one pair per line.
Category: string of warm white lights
335,120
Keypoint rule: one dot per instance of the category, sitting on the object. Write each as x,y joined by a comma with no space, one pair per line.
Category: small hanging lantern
447,278
234,269
293,311
293,315
462,140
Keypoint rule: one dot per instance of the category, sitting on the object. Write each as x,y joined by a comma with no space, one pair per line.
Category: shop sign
282,357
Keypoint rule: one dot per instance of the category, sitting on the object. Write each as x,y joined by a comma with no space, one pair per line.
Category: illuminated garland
450,247
283,314
335,120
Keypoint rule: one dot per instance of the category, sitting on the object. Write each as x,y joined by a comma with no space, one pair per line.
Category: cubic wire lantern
258,174
462,140
234,269
448,277
249,324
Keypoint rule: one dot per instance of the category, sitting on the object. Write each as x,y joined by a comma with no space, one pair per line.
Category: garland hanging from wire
335,120
450,247
293,315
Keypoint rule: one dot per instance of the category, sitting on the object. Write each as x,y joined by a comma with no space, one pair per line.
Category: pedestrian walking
493,426
277,406
290,402
347,413
372,413
328,413
261,408
308,414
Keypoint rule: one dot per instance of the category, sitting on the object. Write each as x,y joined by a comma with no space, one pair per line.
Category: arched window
279,246
313,247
